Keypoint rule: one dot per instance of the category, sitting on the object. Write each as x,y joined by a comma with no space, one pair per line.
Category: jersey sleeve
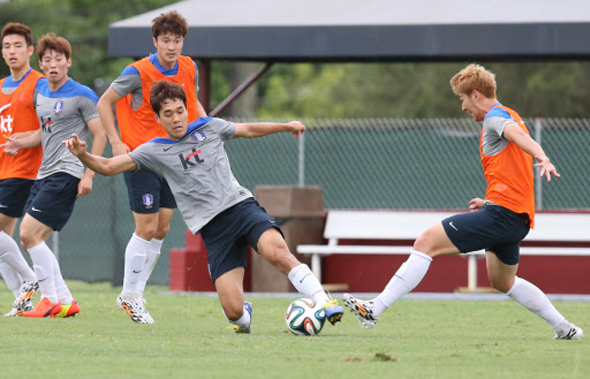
497,124
143,158
496,121
128,82
225,129
87,108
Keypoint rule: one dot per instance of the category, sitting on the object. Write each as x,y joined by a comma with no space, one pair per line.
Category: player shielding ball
497,223
212,202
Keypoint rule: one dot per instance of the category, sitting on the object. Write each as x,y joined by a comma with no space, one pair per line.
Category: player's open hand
76,146
475,204
547,168
297,128
11,146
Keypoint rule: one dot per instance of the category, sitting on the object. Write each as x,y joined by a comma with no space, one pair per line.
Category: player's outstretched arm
102,165
261,129
515,134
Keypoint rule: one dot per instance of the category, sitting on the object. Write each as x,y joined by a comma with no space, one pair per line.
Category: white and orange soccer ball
305,318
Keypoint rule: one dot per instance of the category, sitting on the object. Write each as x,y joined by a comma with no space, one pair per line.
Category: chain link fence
358,163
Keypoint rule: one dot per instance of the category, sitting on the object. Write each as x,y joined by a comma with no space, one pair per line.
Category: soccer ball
305,318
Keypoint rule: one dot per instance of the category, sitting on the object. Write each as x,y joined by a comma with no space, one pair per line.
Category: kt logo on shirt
191,159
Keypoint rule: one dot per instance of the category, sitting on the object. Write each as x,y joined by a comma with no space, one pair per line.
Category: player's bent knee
233,311
424,244
502,285
27,239
162,232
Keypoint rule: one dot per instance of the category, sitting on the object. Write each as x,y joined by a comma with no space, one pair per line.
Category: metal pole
238,91
538,179
302,160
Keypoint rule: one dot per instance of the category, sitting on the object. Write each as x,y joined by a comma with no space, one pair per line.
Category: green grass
414,339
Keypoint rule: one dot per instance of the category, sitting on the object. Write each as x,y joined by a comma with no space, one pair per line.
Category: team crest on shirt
148,200
199,136
58,107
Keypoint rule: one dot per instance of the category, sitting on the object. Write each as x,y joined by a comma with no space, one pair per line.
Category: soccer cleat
18,312
334,312
44,308
135,310
26,293
575,333
69,310
238,328
15,312
362,309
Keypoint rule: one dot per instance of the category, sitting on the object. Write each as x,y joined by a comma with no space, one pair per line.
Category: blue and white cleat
334,312
240,329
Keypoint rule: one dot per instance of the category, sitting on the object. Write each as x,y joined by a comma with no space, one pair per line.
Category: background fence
359,163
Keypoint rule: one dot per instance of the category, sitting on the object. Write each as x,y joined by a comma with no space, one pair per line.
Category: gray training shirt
62,113
197,170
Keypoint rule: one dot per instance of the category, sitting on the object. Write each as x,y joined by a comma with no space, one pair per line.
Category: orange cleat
69,310
44,308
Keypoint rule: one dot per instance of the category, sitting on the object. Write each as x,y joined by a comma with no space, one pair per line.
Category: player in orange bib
150,198
497,223
17,172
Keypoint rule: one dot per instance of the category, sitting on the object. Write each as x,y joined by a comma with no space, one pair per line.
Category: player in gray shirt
194,163
63,107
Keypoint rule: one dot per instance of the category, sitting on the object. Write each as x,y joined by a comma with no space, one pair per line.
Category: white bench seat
400,228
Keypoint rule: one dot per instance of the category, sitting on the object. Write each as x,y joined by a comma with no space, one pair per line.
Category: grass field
415,339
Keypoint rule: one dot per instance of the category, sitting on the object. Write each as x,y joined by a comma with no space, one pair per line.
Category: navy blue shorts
493,228
148,192
52,199
228,235
13,196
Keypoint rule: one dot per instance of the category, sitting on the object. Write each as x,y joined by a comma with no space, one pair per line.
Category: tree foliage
85,23
557,89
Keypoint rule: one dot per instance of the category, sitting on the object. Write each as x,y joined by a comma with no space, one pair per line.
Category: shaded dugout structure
369,31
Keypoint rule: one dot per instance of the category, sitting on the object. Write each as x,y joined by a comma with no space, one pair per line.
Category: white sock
63,292
43,264
407,277
10,253
12,278
532,298
134,260
242,322
306,282
151,257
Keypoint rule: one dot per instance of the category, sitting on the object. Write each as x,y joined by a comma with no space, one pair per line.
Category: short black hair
165,90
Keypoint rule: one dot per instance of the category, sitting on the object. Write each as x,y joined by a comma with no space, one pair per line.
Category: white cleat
363,310
135,310
575,333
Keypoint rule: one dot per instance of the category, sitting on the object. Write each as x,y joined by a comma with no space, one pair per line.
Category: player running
63,107
17,172
497,223
150,198
194,162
